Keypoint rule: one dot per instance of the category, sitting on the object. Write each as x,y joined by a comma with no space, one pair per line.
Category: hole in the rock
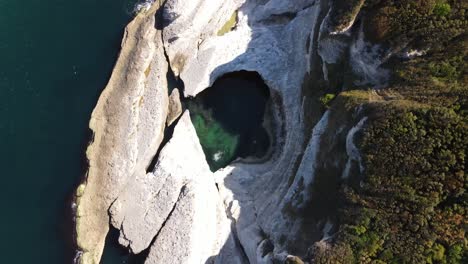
228,118
173,81
114,253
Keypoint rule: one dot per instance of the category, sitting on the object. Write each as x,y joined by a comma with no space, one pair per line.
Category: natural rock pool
229,116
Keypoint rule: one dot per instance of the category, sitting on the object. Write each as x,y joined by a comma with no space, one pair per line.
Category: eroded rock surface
196,226
128,124
267,39
246,212
189,23
177,204
277,39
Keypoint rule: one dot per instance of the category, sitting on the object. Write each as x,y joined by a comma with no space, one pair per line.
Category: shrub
442,9
411,204
326,99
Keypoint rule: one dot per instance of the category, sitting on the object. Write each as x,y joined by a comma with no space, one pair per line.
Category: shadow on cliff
247,239
317,216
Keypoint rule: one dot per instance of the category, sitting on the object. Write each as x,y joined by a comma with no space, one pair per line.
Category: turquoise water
55,58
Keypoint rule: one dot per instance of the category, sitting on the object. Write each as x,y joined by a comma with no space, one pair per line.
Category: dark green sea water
55,58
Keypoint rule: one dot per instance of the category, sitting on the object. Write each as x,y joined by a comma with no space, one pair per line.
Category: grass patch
229,25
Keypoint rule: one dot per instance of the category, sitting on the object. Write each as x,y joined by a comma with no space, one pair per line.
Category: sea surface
56,56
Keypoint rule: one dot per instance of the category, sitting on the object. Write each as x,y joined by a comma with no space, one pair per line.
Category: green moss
229,25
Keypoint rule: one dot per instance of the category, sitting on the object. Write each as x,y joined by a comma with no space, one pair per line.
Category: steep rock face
350,48
266,39
205,19
128,124
285,219
259,212
277,39
271,39
196,226
176,204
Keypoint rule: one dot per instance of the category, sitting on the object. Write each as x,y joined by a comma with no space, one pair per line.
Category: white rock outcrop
177,205
188,23
181,211
128,123
269,38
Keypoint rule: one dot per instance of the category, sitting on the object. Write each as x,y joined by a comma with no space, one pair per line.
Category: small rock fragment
175,107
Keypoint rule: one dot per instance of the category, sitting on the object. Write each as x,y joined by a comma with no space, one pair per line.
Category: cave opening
229,118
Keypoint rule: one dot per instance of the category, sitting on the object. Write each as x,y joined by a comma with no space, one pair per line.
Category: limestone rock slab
128,123
189,23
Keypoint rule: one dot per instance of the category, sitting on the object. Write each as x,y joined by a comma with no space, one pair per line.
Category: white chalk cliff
180,210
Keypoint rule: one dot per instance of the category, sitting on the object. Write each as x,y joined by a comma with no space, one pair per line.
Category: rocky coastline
257,211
